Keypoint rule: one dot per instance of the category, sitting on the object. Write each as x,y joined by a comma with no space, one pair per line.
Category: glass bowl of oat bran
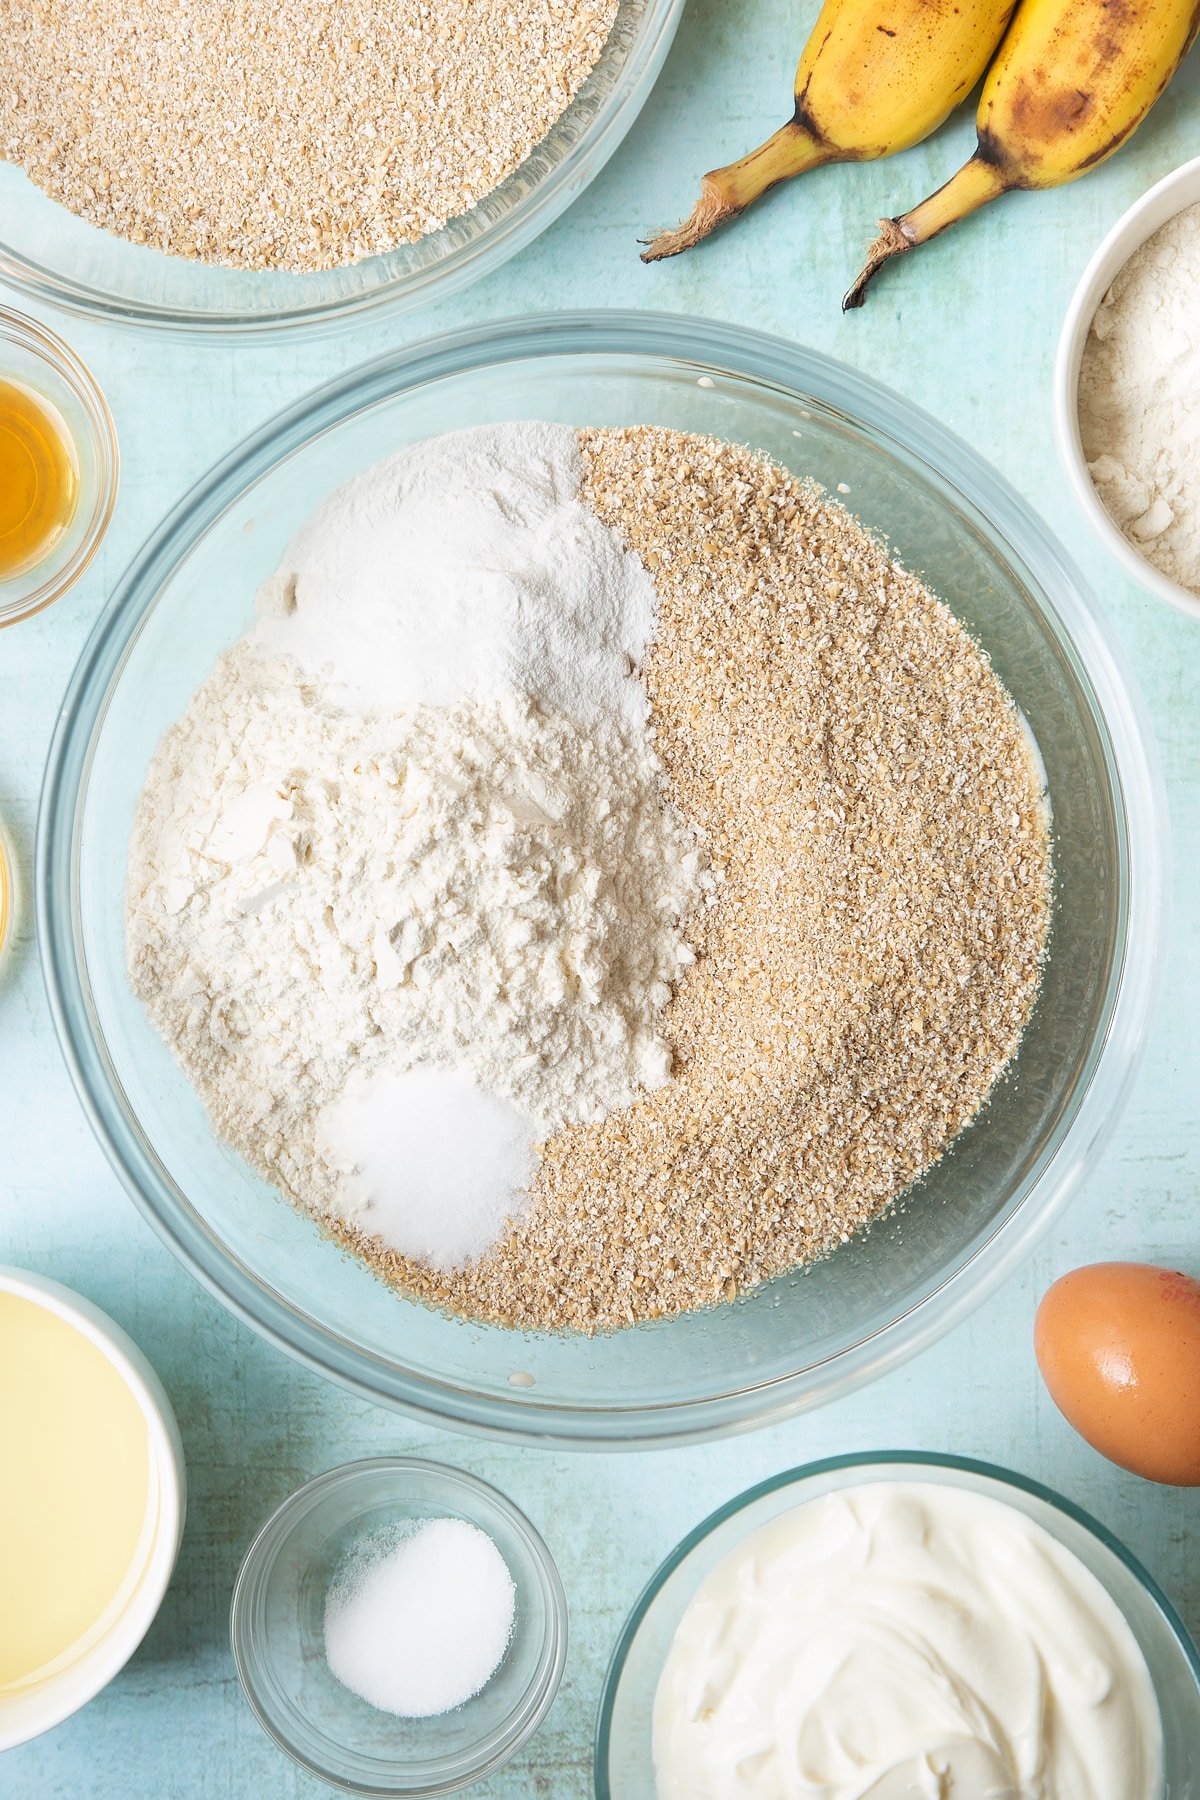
887,1292
179,235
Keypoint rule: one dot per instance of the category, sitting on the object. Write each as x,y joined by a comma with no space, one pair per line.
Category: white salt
417,1626
432,1164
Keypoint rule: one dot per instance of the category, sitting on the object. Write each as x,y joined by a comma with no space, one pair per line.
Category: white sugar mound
419,1626
428,1160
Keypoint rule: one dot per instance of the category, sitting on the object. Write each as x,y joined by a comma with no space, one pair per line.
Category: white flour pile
466,565
366,853
1139,399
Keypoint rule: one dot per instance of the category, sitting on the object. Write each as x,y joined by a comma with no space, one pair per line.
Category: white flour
321,897
1139,399
466,564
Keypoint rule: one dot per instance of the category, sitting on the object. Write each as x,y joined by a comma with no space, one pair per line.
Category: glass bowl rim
845,1463
1085,638
545,202
70,367
264,1547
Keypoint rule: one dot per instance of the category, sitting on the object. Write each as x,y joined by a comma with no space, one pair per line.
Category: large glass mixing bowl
803,1338
55,258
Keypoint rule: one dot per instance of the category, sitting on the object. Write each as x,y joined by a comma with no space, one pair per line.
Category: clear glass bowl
43,363
624,1765
803,1338
56,258
277,1630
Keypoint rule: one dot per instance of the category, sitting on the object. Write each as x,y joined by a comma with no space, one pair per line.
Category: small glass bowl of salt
399,1627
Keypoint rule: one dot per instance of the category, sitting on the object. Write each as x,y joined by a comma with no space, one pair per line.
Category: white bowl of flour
1127,390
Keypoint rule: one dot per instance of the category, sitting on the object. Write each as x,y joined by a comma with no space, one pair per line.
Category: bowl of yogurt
900,1624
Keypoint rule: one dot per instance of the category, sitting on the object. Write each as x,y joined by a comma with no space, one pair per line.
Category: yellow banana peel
875,77
1071,81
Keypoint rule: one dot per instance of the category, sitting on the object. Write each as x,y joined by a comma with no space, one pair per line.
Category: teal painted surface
967,329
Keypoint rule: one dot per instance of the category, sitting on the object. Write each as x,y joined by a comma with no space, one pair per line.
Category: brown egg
1118,1345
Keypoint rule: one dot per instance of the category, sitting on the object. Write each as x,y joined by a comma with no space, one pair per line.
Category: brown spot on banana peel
1126,130
1046,113
801,115
1043,114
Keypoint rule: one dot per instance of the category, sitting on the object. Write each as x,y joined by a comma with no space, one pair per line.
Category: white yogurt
905,1641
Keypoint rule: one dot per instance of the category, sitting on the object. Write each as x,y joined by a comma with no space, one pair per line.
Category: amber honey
39,479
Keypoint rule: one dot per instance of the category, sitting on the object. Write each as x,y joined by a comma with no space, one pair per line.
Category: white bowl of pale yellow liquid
91,1501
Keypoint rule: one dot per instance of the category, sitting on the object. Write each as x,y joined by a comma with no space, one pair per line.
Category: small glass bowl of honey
58,466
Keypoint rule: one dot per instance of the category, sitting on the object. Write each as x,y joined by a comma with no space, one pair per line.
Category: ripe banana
1071,81
875,77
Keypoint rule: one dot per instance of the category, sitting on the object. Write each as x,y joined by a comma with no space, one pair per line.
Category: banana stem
726,192
977,182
